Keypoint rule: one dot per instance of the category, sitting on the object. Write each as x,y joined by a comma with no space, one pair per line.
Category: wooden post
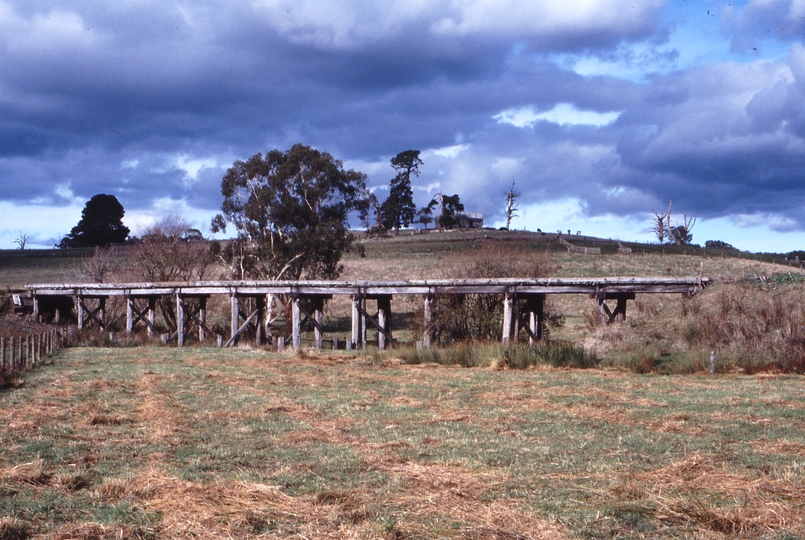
296,318
515,319
202,317
79,308
260,306
235,318
129,314
179,321
383,320
620,309
536,319
363,322
318,316
13,354
102,311
152,313
428,333
36,309
508,302
603,310
269,315
2,354
356,321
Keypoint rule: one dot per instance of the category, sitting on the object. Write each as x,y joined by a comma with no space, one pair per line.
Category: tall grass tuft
750,328
515,356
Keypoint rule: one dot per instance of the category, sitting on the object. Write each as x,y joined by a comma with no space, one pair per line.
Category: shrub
750,327
480,316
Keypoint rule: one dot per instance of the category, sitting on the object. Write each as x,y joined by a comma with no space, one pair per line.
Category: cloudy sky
600,111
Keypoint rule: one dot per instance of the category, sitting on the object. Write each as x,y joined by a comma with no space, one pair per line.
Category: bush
480,316
749,327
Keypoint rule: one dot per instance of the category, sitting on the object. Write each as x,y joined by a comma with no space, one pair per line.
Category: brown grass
701,492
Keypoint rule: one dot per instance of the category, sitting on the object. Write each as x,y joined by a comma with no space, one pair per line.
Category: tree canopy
101,224
290,209
451,207
399,210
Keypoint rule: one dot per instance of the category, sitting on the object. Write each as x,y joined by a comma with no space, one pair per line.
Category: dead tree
511,205
660,226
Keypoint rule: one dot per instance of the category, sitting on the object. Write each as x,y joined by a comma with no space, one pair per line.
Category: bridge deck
684,285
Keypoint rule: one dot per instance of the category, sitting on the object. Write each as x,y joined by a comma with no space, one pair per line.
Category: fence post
2,353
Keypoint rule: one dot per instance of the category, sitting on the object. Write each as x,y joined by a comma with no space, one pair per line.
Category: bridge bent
307,299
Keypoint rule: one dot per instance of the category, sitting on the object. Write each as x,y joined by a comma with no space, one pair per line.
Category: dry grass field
154,442
202,443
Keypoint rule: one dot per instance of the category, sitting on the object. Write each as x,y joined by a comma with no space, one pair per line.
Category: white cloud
52,30
545,17
138,220
350,24
506,166
450,151
45,225
562,114
774,222
192,166
570,214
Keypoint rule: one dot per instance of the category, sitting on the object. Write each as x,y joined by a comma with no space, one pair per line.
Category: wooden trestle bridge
307,302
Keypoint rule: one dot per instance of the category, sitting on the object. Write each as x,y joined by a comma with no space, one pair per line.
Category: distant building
470,220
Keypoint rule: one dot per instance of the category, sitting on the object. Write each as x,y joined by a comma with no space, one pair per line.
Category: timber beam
147,314
314,312
619,314
87,314
513,319
186,314
255,318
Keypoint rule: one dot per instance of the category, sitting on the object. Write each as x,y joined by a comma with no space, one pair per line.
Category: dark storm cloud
153,100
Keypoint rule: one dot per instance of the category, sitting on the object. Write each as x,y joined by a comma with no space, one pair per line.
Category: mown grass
157,443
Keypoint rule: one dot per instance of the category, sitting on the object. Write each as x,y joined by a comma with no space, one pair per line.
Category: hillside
740,315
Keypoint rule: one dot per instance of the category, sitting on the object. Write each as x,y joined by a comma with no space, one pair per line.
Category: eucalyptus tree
290,210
